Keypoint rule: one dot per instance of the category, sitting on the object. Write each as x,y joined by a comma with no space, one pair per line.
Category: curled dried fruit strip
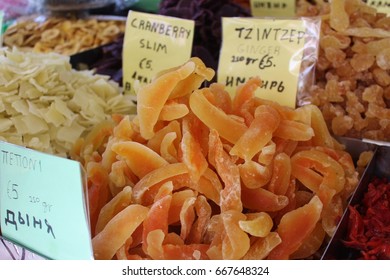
139,158
152,97
254,175
258,134
257,224
113,207
295,226
260,249
117,231
339,19
215,118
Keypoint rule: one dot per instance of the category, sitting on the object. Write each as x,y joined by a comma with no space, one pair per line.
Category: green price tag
42,205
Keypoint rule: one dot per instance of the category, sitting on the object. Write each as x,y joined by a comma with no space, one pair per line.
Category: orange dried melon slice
113,207
203,213
293,130
267,153
322,135
229,173
258,134
185,252
173,111
124,130
244,93
311,244
139,158
178,199
221,98
215,118
261,247
157,218
117,231
235,242
187,217
281,173
257,224
262,200
155,142
295,226
254,175
151,98
168,150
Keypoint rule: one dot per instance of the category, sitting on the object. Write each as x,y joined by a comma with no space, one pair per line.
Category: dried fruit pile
198,175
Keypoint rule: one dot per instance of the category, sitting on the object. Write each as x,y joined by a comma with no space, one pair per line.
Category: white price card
42,203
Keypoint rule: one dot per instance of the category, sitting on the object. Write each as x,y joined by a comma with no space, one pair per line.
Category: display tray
379,167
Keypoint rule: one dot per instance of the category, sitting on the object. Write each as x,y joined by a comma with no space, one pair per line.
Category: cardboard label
273,8
270,49
154,43
42,203
382,6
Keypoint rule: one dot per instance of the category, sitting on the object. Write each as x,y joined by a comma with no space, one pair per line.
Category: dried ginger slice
294,227
139,157
151,98
117,231
244,93
339,19
215,118
293,130
258,134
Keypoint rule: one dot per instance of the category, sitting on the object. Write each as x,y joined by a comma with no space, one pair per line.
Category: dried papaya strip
281,173
227,127
139,158
222,98
154,240
262,200
260,249
113,207
229,173
123,130
254,175
267,153
152,97
177,202
258,134
120,176
117,231
331,215
322,135
98,136
293,130
294,227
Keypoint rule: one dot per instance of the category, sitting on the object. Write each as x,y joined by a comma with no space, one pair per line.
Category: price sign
270,49
382,6
42,203
154,43
273,8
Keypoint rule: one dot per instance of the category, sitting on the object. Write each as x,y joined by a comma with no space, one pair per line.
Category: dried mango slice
295,227
258,134
117,231
139,158
227,127
152,97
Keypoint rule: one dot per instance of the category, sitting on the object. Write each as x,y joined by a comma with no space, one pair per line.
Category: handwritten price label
154,43
270,49
383,6
42,203
273,8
